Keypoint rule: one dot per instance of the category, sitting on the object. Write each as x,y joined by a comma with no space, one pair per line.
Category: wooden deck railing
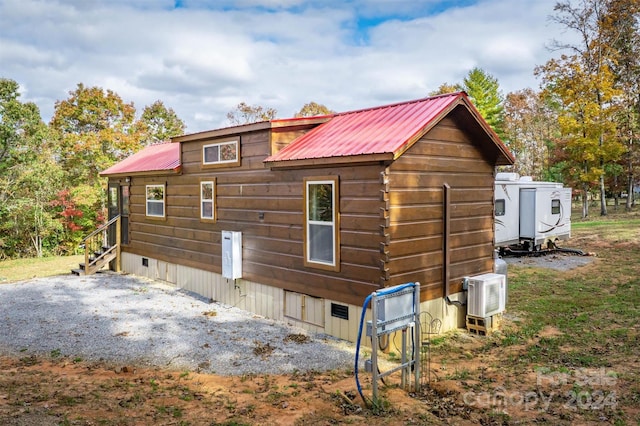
98,251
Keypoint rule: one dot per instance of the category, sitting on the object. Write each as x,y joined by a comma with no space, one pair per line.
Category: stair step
80,271
99,264
103,251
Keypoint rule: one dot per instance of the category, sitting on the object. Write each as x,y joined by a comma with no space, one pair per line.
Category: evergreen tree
484,91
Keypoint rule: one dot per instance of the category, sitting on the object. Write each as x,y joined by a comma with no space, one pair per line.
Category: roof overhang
152,160
330,161
171,172
503,156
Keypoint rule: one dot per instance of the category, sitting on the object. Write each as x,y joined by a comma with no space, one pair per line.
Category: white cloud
203,58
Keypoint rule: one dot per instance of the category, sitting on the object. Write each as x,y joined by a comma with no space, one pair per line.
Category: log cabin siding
391,211
445,155
267,207
283,137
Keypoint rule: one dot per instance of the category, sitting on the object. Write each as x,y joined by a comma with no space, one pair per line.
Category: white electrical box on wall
231,254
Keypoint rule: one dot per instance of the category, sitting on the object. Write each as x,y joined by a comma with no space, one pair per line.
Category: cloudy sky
203,57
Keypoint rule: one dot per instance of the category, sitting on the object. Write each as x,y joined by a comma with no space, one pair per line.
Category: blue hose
355,369
367,300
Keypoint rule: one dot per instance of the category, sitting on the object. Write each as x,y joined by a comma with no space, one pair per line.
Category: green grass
602,223
24,269
608,229
595,308
462,374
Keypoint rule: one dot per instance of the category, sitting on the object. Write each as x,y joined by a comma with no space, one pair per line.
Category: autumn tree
484,91
584,86
530,126
245,114
159,123
586,122
29,178
445,88
96,129
73,209
621,31
28,218
312,109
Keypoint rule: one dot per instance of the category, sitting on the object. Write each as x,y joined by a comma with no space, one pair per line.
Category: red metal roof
164,157
381,130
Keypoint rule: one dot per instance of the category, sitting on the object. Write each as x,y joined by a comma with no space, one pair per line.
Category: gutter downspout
446,245
446,238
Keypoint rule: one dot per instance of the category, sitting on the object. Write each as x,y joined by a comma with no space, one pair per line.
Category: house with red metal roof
301,219
153,159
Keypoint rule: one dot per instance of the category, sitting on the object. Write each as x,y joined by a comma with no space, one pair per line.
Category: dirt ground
46,392
464,384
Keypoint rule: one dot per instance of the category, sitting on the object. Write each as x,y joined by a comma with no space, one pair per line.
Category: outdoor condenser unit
231,254
486,295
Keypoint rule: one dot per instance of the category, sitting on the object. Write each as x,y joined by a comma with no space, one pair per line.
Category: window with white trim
322,248
155,200
220,153
207,200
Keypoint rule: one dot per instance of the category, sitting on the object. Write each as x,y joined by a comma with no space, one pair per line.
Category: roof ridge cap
413,101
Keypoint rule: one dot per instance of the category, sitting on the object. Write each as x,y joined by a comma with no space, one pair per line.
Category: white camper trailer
530,213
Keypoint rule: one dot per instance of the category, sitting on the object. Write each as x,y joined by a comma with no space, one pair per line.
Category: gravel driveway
557,261
128,320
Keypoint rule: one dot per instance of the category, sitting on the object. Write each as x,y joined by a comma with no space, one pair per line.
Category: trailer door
506,213
527,213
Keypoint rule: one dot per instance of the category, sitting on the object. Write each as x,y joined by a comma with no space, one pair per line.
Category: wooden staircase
98,252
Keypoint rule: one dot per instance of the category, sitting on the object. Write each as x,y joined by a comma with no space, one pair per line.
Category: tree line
51,194
580,128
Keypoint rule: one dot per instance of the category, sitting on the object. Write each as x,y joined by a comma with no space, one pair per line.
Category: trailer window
500,205
555,206
321,245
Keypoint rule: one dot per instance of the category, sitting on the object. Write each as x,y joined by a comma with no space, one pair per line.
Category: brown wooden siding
391,218
445,155
267,207
283,137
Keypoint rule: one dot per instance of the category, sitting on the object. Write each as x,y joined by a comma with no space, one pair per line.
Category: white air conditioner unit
486,295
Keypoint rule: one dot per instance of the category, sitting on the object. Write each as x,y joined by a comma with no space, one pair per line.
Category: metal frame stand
389,321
